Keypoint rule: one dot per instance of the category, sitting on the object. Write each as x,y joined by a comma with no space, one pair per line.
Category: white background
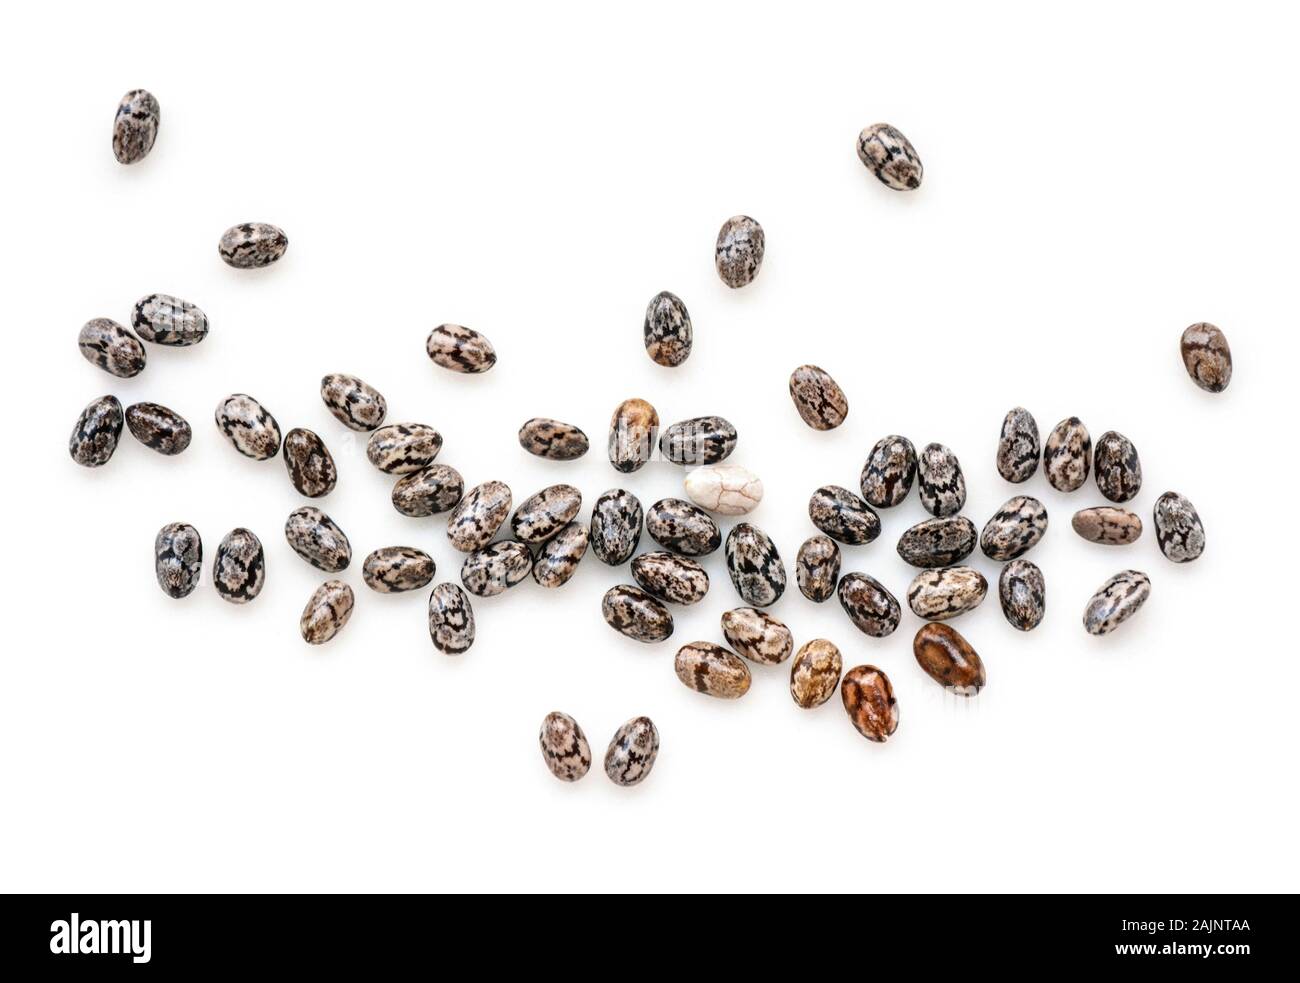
1096,178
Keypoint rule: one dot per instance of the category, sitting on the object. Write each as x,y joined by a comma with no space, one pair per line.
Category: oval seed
247,424
754,565
668,332
395,569
315,537
1023,594
712,670
937,595
938,542
1207,357
178,559
461,349
1018,449
564,747
632,612
869,701
327,611
166,320
558,559
1119,472
633,430
96,432
239,571
543,515
814,673
105,343
1117,600
1014,529
435,489
553,440
698,441
870,606
403,448
1178,528
942,484
727,489
632,752
474,522
817,568
818,398
843,516
451,619
1067,455
252,245
738,254
672,578
889,472
948,659
1107,525
495,568
890,156
355,404
158,428
682,527
308,461
135,126
615,526
757,636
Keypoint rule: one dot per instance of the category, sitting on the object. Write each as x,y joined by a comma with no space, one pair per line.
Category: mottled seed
252,245
96,432
814,673
739,251
633,430
698,441
247,424
1207,357
158,427
1117,600
668,332
615,526
818,398
727,489
632,752
869,701
938,595
495,568
870,606
239,570
1067,455
461,349
543,515
1023,594
948,659
135,126
558,559
403,448
1014,529
938,542
942,485
817,568
166,320
672,578
632,612
1118,470
553,440
889,472
395,569
355,404
843,516
890,157
1018,449
1107,525
754,565
434,489
315,537
451,619
308,461
326,612
1178,528
712,670
682,527
757,636
178,559
105,343
564,747
474,522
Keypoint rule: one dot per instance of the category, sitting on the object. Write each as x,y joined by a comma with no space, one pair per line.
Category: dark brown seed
667,329
553,440
889,472
1118,470
948,659
869,701
158,427
672,578
633,431
310,466
108,345
817,568
315,537
1178,528
818,398
873,610
632,612
1207,357
1018,449
738,254
843,516
1023,594
700,441
135,126
615,526
682,527
938,542
434,489
96,432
